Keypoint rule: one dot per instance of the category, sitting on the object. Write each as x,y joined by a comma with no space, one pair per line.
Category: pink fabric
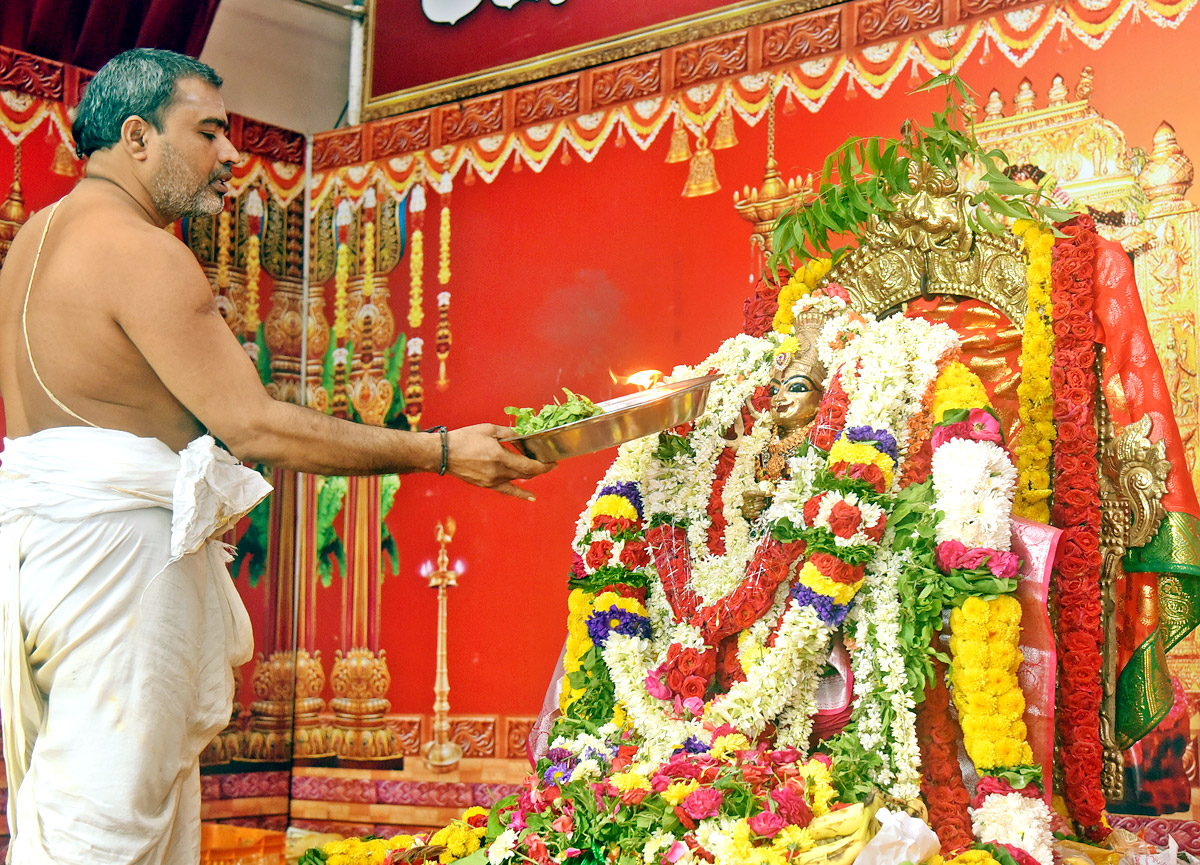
1036,544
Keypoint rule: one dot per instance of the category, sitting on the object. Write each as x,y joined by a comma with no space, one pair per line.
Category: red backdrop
562,276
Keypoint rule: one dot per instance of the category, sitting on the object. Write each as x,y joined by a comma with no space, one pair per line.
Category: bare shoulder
139,263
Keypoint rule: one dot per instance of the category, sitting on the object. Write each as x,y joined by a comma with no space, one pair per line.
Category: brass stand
442,754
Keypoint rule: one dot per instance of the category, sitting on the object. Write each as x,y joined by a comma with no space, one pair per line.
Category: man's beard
175,192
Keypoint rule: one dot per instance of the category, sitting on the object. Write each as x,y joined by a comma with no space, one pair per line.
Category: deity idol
721,567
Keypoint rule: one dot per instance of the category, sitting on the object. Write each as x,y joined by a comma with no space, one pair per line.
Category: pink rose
948,553
1004,565
946,432
563,824
702,803
984,426
976,557
791,806
767,824
784,755
655,685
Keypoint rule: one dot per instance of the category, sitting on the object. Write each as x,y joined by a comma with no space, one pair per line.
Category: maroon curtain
88,33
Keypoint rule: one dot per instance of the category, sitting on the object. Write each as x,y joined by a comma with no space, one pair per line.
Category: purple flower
883,440
627,490
557,774
615,620
558,755
830,613
695,746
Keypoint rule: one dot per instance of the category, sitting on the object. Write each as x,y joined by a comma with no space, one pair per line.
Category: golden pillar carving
360,676
1167,279
228,743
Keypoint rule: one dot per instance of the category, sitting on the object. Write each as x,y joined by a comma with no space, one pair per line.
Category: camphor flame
645,379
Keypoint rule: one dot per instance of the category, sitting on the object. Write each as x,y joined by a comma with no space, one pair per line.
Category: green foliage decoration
860,179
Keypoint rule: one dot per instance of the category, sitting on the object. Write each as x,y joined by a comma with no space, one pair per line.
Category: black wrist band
445,437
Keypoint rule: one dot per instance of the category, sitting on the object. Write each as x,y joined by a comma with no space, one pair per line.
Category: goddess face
796,391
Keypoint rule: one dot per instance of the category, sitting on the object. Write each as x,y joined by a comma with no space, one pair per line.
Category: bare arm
169,314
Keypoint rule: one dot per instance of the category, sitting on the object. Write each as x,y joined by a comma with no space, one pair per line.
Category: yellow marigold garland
416,271
341,278
224,234
1035,401
579,607
368,259
984,647
253,272
444,262
804,281
957,388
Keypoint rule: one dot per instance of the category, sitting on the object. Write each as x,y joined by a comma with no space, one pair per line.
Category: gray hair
140,83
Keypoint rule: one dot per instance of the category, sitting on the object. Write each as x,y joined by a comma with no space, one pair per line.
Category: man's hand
477,457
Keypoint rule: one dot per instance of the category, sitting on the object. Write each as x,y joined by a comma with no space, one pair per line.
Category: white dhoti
120,628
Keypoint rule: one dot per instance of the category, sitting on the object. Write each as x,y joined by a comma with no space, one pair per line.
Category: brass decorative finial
1058,91
994,109
1023,103
763,205
1168,173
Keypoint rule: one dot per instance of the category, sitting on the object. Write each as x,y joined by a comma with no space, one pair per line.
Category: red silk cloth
88,33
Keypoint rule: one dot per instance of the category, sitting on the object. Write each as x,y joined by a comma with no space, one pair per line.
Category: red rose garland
941,776
1077,511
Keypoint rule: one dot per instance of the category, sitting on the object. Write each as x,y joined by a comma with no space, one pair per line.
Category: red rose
875,532
708,664
688,822
844,519
632,797
598,554
537,849
635,555
694,686
689,661
870,473
675,679
811,508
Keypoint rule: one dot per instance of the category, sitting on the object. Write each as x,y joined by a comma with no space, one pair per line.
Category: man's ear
134,132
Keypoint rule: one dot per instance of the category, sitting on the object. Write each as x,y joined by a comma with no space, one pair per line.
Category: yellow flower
841,593
1011,704
844,450
614,506
957,388
579,602
401,842
620,715
749,651
627,781
975,611
608,600
997,681
980,703
1006,609
765,856
725,746
1008,752
790,345
793,839
679,790
981,752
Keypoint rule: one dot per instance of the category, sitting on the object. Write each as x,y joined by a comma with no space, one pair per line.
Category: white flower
502,848
1018,820
586,770
974,482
